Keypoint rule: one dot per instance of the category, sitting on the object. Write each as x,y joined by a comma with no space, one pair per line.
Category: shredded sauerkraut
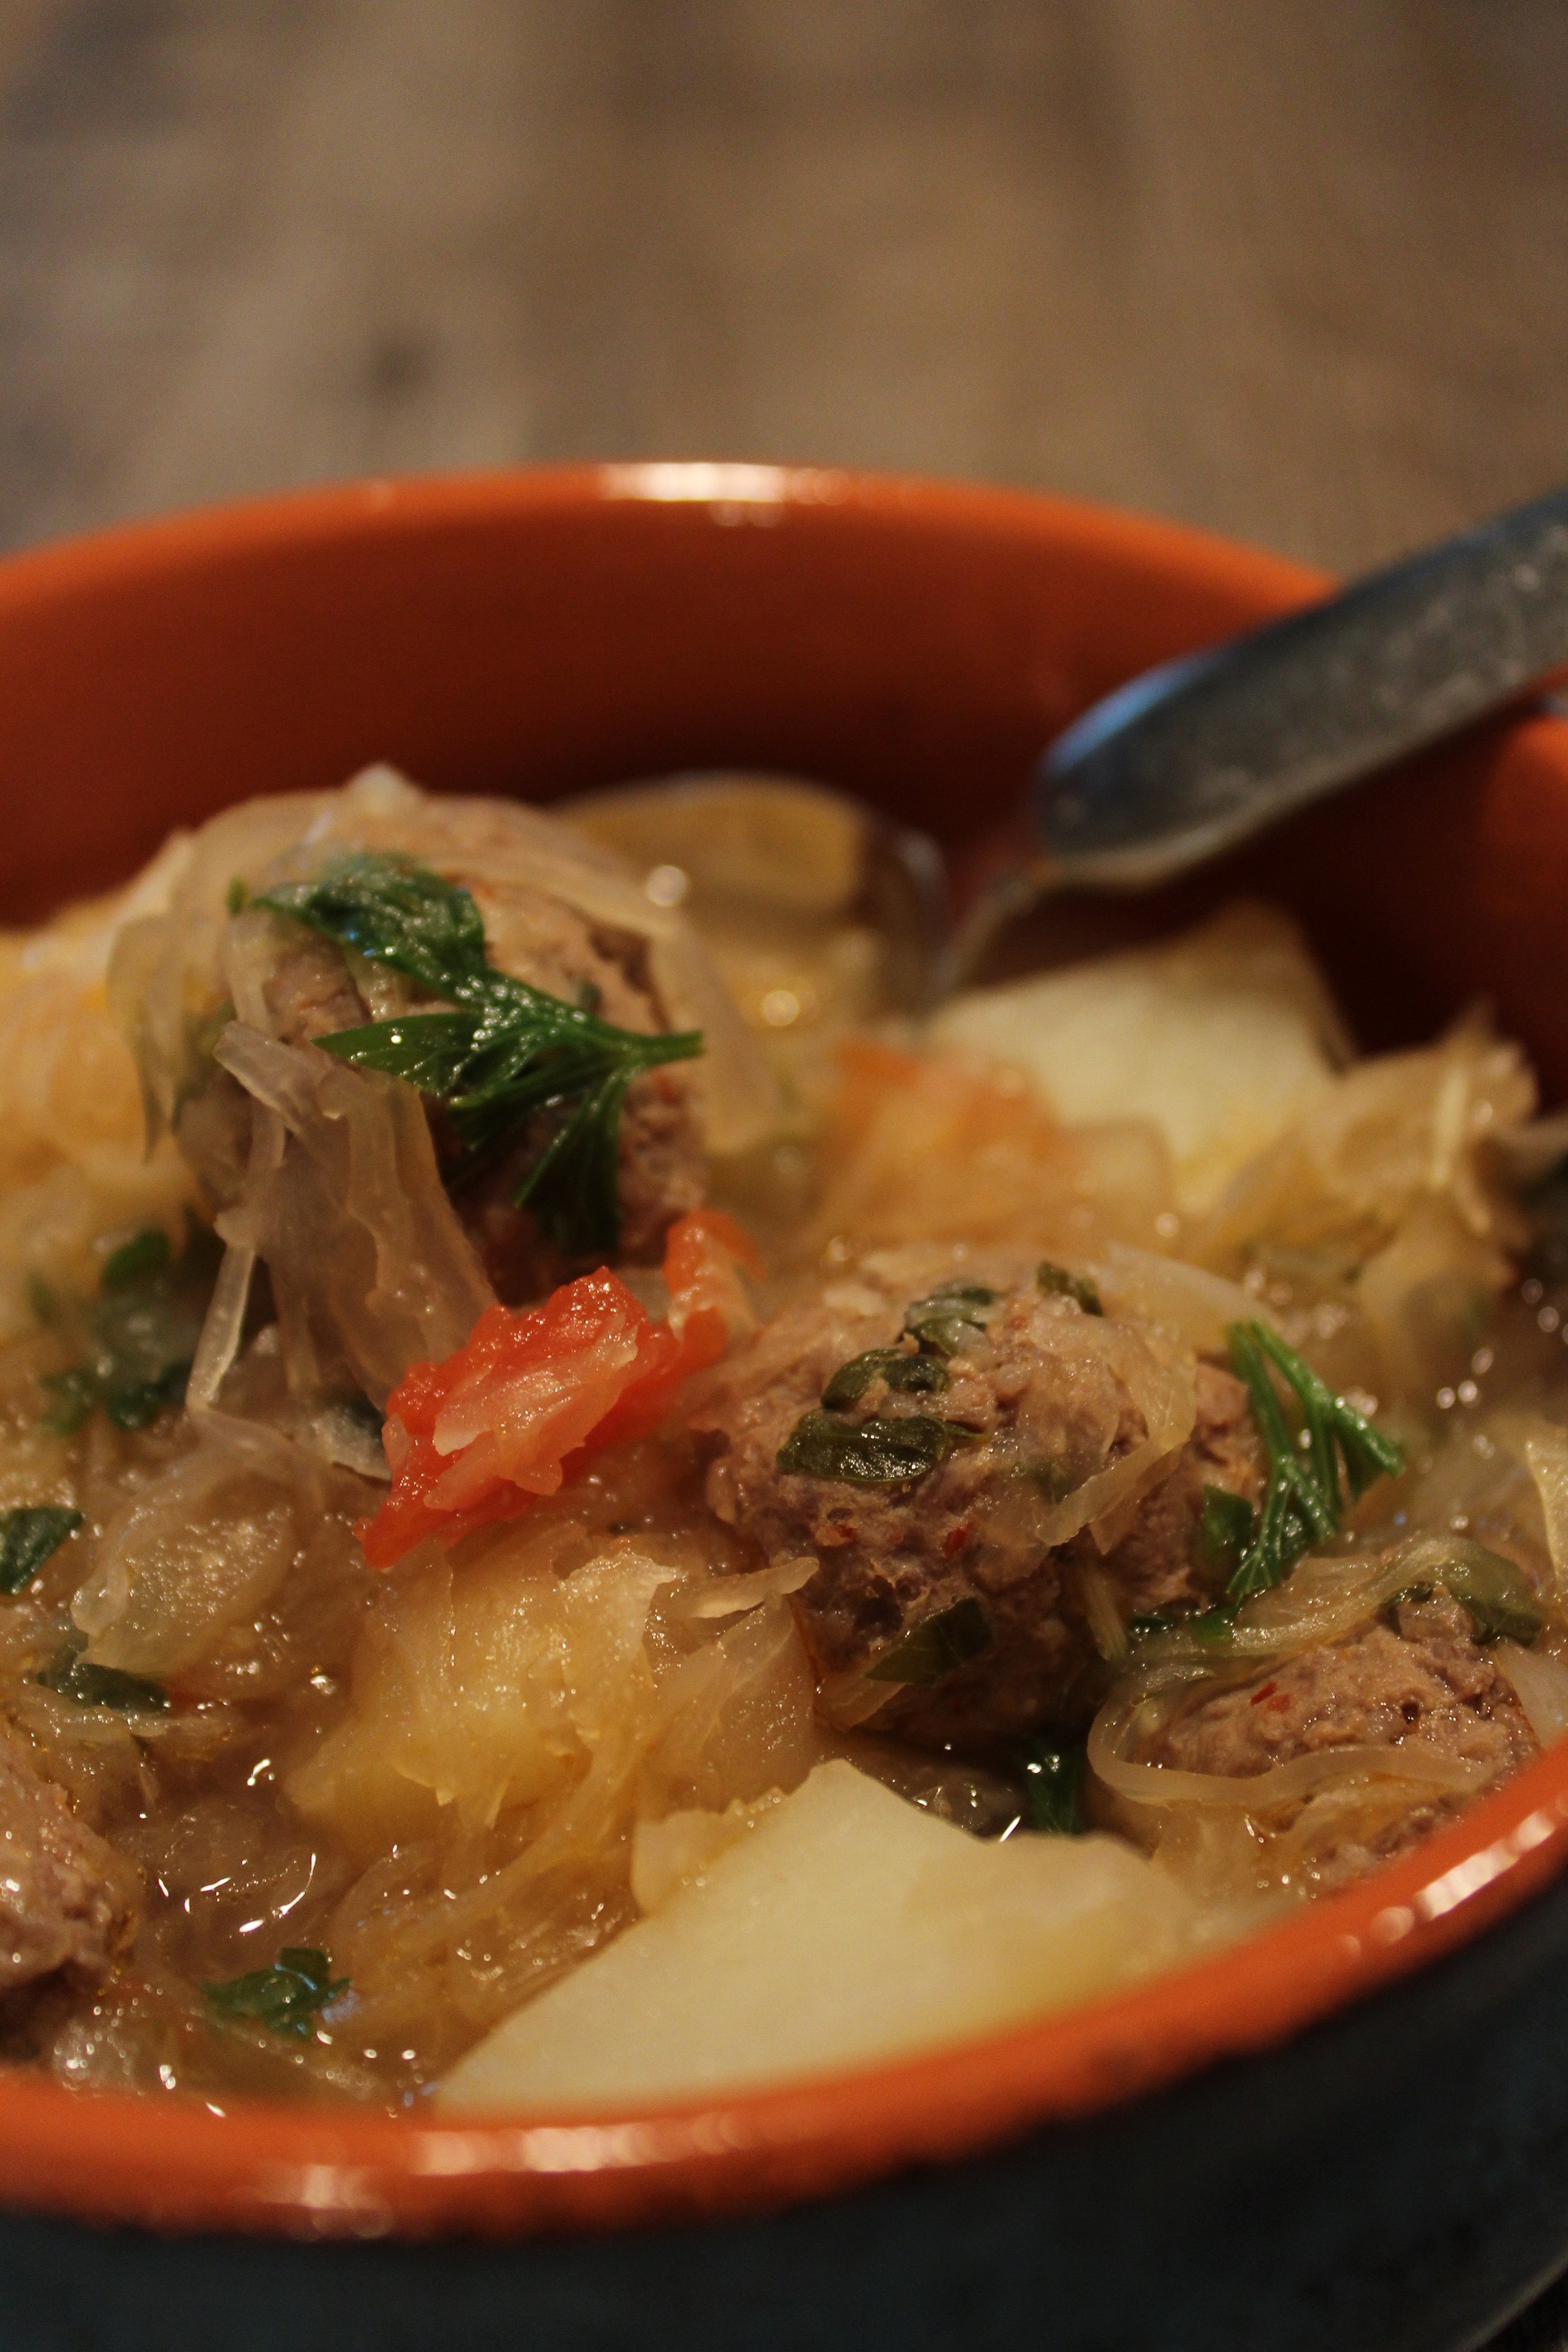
565,1682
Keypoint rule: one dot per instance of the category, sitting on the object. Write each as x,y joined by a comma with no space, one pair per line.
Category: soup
596,1503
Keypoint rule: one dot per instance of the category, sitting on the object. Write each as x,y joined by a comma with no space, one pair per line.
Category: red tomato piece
708,1308
519,1408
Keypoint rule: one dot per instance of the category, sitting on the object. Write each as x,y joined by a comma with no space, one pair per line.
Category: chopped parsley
1304,1505
935,1646
285,1998
944,1321
137,1341
1229,1523
30,1537
506,1054
873,1453
1055,1477
91,1686
146,1252
1054,1278
1495,1595
1053,1781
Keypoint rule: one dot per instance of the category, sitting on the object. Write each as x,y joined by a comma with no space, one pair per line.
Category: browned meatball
1026,1404
67,1902
309,995
1423,1682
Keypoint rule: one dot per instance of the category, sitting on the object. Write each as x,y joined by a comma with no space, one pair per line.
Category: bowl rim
271,2167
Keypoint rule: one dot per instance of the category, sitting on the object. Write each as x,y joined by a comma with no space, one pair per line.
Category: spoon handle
1188,759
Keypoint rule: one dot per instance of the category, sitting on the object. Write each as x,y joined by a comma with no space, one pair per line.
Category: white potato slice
840,1926
1221,1037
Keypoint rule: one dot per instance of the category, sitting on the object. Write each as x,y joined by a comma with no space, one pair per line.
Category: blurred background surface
1295,270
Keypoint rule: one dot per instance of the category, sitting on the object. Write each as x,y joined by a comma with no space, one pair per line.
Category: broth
1107,1416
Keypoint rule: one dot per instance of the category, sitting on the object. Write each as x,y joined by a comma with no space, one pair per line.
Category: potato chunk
1221,1037
841,1926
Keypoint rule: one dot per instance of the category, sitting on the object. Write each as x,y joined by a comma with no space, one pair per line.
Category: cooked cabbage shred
564,1758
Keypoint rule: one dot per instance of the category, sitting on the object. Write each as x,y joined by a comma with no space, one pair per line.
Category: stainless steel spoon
1192,758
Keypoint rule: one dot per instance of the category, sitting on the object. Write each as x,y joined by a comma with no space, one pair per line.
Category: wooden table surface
1296,270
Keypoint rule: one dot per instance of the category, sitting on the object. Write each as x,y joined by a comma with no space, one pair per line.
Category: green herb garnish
1338,1436
1053,1781
1495,1594
285,1997
1055,1478
916,1375
74,1395
137,1339
869,1453
91,1686
144,1253
1229,1524
944,1321
507,1054
1304,1505
935,1647
1212,1627
1052,1277
29,1536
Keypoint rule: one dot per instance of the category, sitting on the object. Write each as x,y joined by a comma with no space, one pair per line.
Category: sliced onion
368,1261
849,1700
1263,1792
219,1342
702,1689
727,1596
1546,1458
1540,1684
1107,1630
1321,1601
166,982
206,1541
1159,1381
1189,1300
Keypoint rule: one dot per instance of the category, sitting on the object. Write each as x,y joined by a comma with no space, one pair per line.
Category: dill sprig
1304,1503
506,1052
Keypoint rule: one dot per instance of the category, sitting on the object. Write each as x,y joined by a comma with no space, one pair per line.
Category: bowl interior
918,645
538,635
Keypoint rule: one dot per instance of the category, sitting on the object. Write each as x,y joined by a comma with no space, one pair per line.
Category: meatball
1423,1682
1011,1532
67,1902
309,993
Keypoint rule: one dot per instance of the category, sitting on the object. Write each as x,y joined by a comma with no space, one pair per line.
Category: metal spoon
1192,758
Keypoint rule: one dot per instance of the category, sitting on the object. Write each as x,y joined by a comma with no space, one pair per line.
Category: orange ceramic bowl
537,634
